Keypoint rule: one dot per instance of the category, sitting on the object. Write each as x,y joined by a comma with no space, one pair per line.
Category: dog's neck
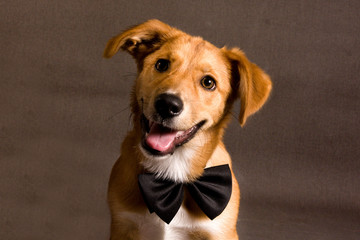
175,167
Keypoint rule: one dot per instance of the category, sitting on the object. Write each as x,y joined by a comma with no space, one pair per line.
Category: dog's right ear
140,40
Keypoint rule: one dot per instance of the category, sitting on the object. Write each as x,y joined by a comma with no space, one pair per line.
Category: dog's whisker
117,113
232,114
129,75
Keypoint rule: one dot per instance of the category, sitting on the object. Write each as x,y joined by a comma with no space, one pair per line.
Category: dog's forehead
195,51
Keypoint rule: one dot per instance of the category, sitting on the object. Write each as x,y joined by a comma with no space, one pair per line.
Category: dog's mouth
160,140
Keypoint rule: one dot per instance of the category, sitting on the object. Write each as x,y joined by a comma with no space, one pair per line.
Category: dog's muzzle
159,139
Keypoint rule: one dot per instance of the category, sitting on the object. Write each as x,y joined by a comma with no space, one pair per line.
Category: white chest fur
152,227
175,167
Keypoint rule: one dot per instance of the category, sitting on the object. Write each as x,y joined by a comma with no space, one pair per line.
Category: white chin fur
175,167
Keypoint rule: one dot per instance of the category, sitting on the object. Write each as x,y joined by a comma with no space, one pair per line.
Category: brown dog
181,104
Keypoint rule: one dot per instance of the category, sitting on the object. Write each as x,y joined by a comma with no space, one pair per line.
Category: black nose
168,105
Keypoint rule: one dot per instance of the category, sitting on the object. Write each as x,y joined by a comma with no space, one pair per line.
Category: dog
181,103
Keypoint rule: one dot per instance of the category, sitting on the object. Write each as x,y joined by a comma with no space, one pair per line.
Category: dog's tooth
179,133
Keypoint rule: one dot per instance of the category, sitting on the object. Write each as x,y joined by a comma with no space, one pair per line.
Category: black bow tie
211,192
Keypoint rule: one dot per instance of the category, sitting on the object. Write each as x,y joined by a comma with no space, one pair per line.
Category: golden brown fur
191,58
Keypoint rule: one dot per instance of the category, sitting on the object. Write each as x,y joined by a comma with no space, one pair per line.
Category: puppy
174,178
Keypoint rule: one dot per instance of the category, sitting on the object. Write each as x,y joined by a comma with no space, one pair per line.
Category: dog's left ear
140,40
253,84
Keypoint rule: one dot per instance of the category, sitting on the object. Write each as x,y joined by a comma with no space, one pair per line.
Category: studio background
64,112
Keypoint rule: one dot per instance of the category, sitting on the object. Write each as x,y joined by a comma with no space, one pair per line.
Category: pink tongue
160,138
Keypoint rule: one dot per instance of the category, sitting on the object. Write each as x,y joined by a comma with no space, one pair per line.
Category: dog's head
185,85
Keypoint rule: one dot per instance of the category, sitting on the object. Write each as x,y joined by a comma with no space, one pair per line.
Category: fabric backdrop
64,112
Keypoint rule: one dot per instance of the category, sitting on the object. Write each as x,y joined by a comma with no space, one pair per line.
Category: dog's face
182,88
186,86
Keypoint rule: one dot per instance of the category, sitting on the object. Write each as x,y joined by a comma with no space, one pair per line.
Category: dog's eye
162,65
208,83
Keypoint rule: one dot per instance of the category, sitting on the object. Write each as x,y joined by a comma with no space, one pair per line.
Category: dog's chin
159,141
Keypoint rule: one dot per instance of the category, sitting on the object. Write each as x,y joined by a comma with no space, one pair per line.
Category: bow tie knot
211,192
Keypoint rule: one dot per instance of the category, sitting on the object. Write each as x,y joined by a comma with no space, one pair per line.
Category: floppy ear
254,85
139,40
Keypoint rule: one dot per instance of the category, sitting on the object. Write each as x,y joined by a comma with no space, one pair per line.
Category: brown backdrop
63,113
